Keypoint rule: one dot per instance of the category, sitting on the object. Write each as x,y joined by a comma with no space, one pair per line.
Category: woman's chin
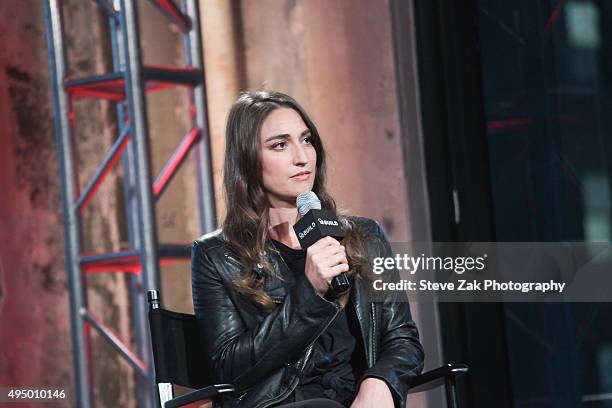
288,197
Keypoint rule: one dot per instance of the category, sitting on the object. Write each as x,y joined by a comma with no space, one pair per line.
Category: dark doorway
514,101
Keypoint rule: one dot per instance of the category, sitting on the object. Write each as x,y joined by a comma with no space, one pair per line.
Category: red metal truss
112,86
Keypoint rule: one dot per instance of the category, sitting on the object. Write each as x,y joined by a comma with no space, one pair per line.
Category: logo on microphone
327,222
307,230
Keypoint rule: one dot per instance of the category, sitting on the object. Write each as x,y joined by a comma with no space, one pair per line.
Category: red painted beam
107,170
175,161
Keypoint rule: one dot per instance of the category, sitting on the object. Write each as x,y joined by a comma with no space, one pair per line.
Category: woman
270,323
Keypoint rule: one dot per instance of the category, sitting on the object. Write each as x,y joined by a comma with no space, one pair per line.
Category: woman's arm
241,356
400,350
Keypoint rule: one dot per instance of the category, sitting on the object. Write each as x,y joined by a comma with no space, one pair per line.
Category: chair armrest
437,377
203,394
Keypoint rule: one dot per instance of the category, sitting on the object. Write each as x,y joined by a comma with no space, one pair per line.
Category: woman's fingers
335,259
323,243
335,271
330,258
338,269
332,250
325,259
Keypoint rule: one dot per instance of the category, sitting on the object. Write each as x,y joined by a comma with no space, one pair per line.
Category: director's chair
178,358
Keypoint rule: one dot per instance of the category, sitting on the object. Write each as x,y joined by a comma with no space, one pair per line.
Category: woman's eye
278,146
308,140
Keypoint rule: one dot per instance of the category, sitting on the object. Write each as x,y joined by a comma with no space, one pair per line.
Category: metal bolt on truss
126,86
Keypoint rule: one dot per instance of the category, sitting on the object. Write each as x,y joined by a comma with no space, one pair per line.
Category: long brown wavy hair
246,223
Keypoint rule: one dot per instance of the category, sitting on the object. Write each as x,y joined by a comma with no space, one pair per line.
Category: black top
335,363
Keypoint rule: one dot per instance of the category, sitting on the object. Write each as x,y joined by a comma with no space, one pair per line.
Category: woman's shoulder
211,242
365,226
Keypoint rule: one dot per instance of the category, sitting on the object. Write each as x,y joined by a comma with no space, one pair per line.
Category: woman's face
288,159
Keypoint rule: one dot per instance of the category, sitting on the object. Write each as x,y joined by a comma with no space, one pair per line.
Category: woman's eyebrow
285,136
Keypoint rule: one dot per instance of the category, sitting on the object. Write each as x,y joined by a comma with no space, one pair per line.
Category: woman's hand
325,259
373,392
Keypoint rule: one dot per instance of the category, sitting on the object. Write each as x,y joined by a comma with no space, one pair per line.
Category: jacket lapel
277,286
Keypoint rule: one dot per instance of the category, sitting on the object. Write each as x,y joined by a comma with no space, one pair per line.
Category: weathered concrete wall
35,342
225,76
335,57
34,324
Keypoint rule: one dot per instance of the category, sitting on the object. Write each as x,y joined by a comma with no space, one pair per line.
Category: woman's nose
300,156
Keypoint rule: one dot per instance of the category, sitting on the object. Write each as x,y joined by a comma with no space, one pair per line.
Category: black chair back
176,349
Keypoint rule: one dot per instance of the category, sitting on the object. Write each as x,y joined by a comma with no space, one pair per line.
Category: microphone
315,224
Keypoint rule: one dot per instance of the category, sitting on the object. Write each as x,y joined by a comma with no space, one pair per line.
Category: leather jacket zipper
306,356
373,342
233,260
368,350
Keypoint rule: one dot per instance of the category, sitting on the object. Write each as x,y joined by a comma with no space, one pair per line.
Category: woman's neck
281,226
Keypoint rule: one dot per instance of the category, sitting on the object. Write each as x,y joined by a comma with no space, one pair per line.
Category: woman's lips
301,176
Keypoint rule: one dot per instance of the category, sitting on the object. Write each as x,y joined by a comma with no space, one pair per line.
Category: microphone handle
341,284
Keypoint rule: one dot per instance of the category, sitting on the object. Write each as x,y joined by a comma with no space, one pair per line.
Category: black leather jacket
260,352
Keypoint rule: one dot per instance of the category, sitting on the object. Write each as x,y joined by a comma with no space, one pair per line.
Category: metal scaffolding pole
137,111
72,242
194,57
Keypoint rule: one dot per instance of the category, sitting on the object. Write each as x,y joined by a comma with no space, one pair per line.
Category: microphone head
307,201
